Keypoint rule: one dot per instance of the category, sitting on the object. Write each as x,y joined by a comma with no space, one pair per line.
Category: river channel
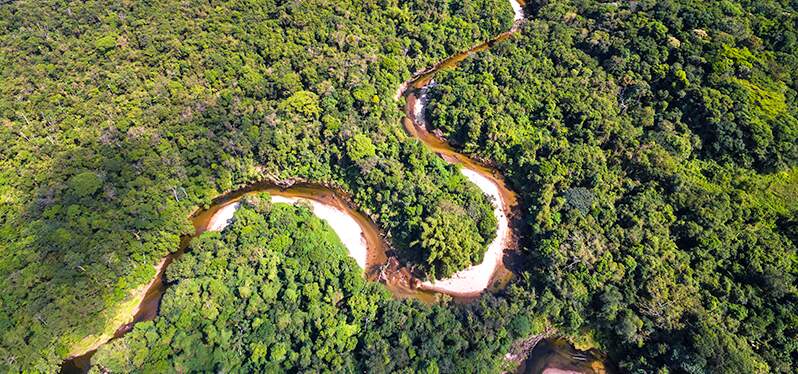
360,235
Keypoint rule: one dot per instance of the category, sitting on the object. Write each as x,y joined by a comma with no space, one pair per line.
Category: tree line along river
365,243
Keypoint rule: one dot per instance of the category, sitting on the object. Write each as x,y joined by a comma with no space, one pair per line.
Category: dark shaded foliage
655,145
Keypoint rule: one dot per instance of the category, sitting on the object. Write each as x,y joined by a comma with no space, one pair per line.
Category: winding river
359,234
558,356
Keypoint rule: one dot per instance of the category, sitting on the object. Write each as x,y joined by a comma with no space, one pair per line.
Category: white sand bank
477,278
518,10
347,229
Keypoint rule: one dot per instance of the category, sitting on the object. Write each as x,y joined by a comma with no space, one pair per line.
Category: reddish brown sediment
471,282
558,356
150,295
358,233
378,267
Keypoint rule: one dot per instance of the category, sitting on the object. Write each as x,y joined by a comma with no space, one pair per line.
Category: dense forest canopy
656,144
276,291
119,119
653,146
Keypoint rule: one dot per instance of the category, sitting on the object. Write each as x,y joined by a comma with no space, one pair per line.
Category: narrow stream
466,284
470,282
557,356
354,228
360,234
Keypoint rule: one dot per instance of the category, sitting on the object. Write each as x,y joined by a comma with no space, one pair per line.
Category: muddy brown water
558,356
379,266
397,280
416,128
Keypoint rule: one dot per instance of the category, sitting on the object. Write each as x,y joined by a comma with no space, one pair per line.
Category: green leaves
106,43
305,103
642,138
449,242
359,147
168,106
84,184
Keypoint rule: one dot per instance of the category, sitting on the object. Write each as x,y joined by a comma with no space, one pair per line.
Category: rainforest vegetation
118,120
656,145
276,291
653,146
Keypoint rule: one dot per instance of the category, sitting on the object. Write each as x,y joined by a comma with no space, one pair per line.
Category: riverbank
123,315
470,282
349,231
558,356
473,280
360,235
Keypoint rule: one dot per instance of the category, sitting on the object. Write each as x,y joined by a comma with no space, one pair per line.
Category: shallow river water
360,235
